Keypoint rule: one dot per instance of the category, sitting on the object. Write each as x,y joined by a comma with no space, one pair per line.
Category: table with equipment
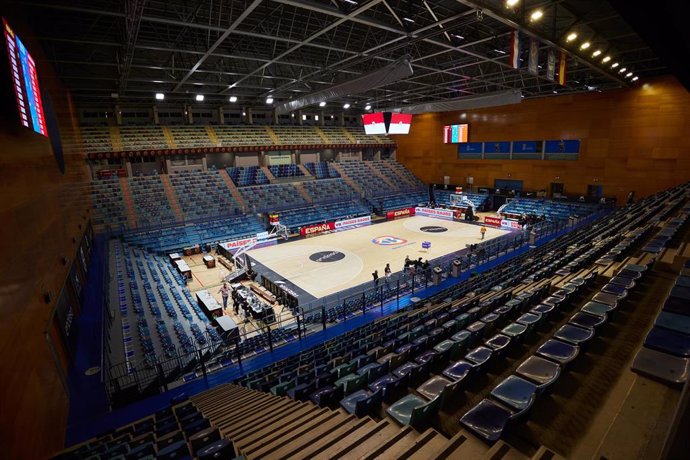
207,303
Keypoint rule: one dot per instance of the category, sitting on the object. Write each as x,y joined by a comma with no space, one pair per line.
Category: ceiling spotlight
585,45
346,106
408,20
628,75
160,96
606,59
511,3
233,99
623,70
536,15
351,2
367,107
269,100
571,36
322,104
199,98
459,37
635,78
244,114
596,53
614,65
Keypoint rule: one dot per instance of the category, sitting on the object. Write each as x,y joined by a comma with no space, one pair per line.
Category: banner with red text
311,230
405,212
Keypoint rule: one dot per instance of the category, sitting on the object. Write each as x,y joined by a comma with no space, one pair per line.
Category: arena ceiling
108,51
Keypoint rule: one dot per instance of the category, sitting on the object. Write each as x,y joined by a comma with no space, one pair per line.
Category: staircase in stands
174,204
129,203
115,139
349,135
322,135
268,173
305,171
272,134
348,180
262,425
303,192
213,136
169,138
233,189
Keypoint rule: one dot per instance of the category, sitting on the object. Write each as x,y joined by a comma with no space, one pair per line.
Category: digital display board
25,82
400,123
373,123
455,134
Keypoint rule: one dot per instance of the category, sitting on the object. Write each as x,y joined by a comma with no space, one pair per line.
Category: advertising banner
237,243
492,221
311,230
510,224
353,221
405,212
445,214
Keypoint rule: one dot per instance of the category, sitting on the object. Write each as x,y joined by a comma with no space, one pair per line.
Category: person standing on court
375,275
483,230
225,292
387,273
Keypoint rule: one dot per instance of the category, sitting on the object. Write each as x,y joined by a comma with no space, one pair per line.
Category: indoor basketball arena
358,229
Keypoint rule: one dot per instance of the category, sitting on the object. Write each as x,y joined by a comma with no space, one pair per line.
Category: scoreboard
25,82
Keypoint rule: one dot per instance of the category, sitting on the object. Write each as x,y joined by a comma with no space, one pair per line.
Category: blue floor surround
89,415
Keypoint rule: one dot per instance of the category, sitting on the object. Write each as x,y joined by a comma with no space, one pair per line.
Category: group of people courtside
413,266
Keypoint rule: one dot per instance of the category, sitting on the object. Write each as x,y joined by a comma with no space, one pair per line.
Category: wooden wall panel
40,210
632,139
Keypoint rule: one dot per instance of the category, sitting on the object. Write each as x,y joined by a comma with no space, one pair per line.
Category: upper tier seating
400,172
295,135
150,201
104,139
403,200
321,170
290,170
250,175
231,136
189,136
203,194
143,138
108,203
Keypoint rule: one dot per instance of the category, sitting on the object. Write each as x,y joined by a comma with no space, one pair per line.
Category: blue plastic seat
458,370
499,343
516,331
479,356
668,341
558,351
362,402
540,371
627,283
667,368
673,321
677,306
529,319
433,387
574,334
487,419
404,369
597,309
606,298
516,393
586,320
414,411
618,290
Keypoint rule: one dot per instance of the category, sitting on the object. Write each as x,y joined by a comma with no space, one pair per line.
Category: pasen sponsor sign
353,221
238,243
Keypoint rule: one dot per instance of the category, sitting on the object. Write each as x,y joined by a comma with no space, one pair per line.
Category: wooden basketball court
330,263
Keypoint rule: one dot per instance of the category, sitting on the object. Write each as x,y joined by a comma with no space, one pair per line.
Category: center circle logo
388,240
434,229
327,256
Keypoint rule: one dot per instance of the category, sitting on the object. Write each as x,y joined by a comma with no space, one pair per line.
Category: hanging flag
551,65
533,64
515,49
561,69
